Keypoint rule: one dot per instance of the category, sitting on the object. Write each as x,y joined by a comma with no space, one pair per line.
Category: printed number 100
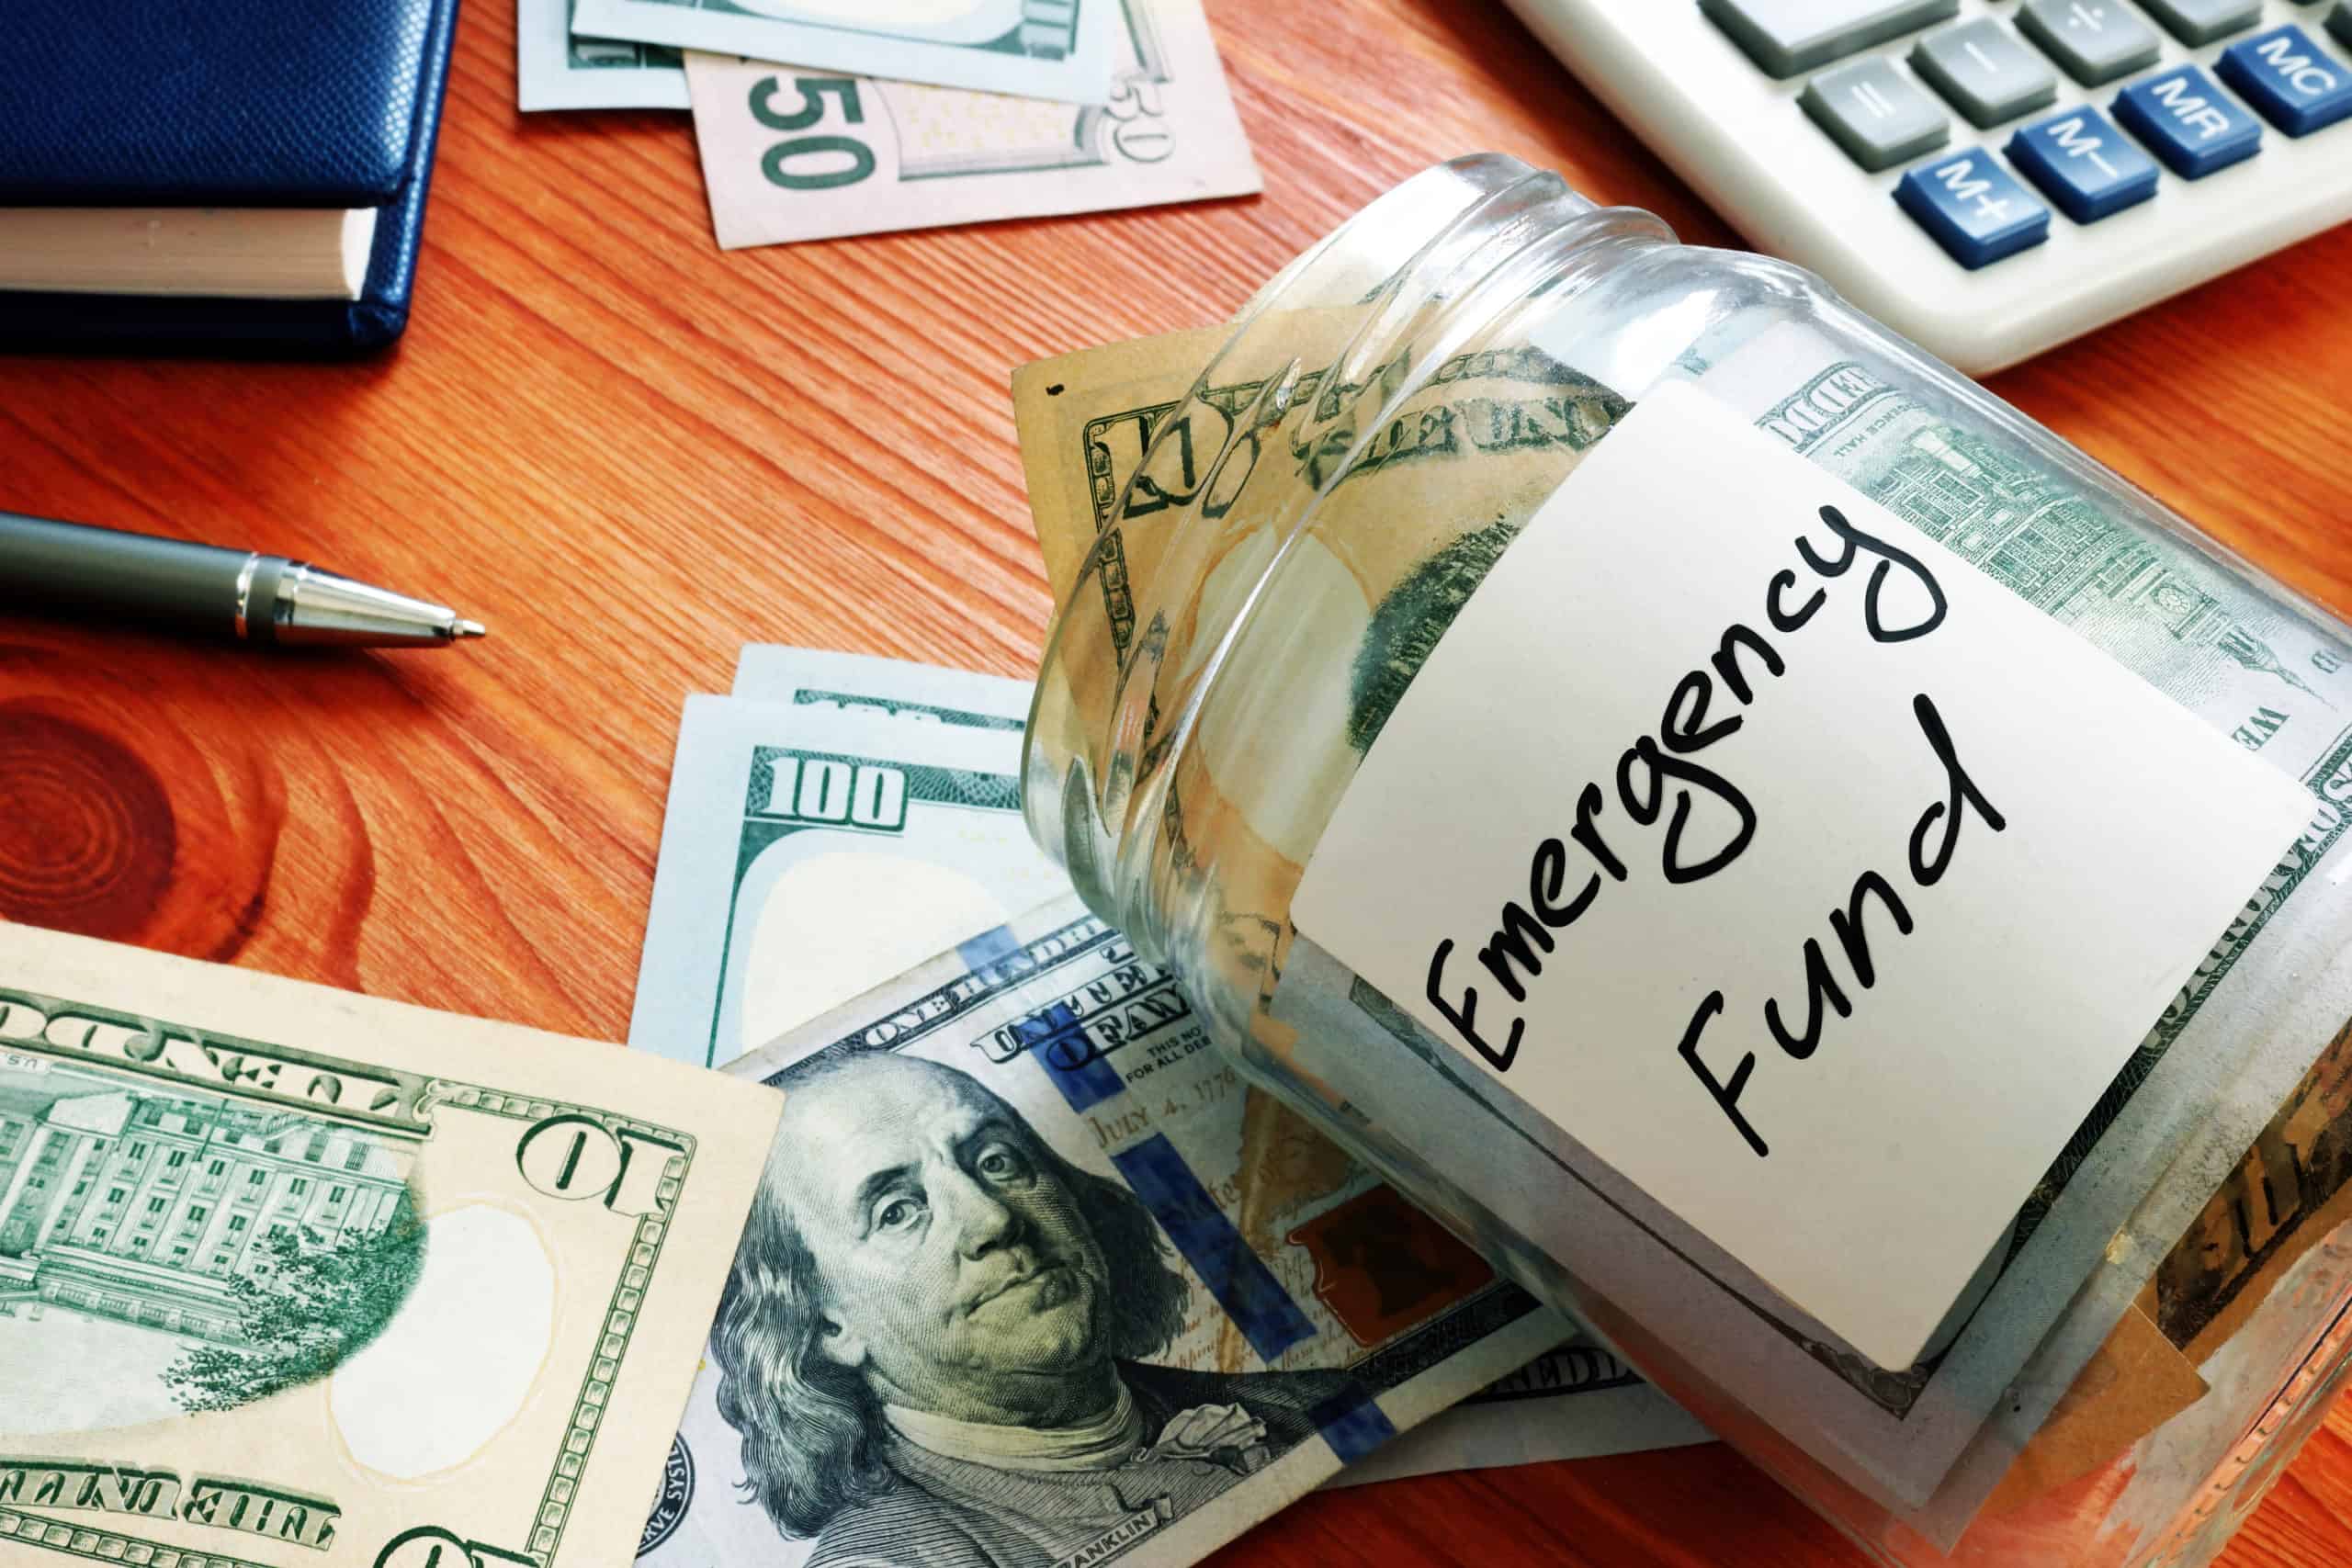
828,789
777,163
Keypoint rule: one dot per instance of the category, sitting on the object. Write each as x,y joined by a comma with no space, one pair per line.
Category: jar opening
1313,387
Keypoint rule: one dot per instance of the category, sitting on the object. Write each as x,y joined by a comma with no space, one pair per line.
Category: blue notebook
230,104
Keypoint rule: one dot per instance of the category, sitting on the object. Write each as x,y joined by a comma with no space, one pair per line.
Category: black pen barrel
48,568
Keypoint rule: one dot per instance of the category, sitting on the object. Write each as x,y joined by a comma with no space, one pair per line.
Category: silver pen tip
461,629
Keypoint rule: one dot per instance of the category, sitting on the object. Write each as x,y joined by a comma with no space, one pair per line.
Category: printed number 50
775,161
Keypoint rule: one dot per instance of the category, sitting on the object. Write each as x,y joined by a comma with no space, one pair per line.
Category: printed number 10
775,161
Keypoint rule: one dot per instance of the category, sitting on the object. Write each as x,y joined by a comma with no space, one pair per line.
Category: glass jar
1386,416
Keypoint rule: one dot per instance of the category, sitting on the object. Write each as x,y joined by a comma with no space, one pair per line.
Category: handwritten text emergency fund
1965,855
1712,821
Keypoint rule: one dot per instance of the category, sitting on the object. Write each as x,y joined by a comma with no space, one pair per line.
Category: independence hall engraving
143,1205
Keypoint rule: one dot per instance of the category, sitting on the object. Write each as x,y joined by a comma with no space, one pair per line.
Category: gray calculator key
2095,41
1878,114
2202,21
1984,70
1785,36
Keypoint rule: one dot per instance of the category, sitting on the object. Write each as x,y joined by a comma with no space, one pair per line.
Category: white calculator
1989,177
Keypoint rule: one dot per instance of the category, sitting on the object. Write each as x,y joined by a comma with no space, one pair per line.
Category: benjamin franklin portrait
935,1340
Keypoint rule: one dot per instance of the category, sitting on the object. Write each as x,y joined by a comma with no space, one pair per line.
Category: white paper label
1788,863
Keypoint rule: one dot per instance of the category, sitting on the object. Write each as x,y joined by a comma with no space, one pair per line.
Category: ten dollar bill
292,1276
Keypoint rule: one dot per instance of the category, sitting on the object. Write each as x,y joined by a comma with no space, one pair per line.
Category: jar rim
1446,252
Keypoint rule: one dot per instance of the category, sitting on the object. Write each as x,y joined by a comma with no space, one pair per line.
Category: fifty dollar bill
289,1276
798,155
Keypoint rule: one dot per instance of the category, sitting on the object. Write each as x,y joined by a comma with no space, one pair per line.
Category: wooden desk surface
629,454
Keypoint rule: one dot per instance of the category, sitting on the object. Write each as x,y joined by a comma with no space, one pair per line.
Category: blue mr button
2189,122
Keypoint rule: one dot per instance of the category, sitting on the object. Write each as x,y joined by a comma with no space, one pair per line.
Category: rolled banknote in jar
1804,867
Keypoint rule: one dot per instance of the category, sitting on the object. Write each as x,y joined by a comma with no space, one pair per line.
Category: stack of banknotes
844,872
1013,1272
817,120
923,1225
2019,1393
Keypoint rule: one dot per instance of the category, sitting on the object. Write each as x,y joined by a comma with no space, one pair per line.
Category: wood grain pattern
629,454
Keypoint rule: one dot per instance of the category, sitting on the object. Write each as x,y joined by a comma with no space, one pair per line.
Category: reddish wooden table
629,454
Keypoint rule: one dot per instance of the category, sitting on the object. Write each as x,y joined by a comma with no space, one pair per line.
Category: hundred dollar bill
807,855
2252,1019
884,688
1576,1401
798,155
1572,1402
555,69
289,1276
1033,1278
1039,49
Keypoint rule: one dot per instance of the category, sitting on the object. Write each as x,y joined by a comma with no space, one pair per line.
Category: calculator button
1984,70
2084,165
1786,37
2291,79
1879,116
2202,21
2339,22
2189,122
2095,40
1974,207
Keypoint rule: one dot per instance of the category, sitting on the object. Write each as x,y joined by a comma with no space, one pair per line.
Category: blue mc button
2289,78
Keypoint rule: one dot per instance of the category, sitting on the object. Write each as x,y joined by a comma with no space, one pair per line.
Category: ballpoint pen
50,568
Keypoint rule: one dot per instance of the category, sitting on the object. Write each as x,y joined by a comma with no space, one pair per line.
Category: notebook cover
297,328
224,103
